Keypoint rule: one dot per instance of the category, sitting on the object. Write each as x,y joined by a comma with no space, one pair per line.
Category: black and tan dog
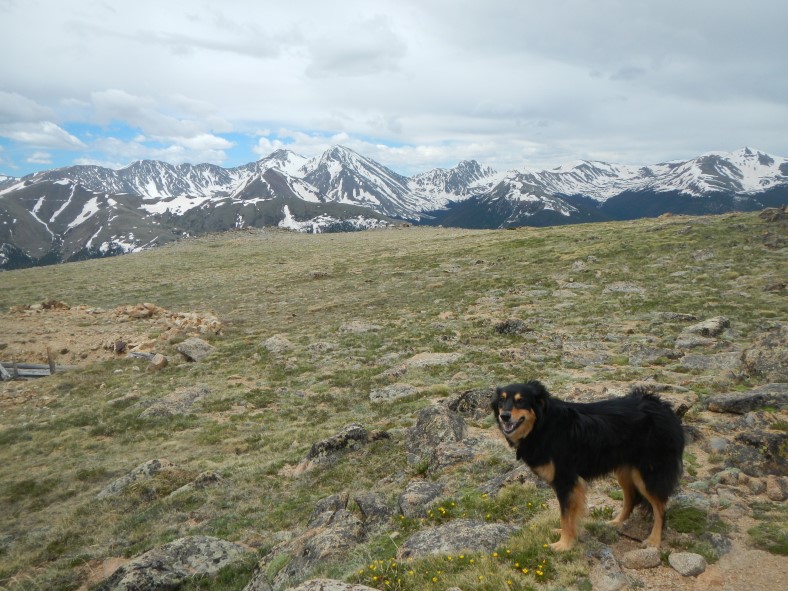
637,437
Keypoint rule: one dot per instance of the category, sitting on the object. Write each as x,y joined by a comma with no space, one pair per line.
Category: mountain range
80,212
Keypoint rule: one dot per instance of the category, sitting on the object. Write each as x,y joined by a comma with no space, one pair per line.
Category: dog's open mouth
509,426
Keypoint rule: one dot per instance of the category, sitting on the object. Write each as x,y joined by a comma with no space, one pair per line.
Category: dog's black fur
637,437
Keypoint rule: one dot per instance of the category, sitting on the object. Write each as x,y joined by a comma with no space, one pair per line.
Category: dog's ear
494,400
540,393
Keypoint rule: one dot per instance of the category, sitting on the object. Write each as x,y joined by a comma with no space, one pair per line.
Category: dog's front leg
572,501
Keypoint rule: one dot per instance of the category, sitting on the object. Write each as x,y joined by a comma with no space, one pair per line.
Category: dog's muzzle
507,424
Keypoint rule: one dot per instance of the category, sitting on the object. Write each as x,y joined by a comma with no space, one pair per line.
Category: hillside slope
294,438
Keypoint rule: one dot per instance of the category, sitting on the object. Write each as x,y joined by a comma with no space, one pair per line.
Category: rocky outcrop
459,535
435,425
180,402
195,349
168,566
144,471
773,395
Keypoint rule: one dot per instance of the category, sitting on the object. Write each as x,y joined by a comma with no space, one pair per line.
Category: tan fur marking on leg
657,506
624,476
571,517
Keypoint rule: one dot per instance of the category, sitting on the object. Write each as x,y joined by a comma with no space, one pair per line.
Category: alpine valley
82,212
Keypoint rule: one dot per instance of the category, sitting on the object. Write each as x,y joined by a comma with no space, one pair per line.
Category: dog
636,437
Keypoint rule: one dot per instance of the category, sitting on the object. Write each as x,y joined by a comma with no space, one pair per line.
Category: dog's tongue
509,426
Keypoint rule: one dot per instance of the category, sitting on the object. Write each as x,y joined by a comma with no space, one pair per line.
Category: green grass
429,291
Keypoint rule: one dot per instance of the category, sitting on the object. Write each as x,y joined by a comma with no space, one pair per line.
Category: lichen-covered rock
329,585
712,327
434,425
459,535
744,402
687,564
145,470
417,496
640,559
768,354
179,402
166,567
195,349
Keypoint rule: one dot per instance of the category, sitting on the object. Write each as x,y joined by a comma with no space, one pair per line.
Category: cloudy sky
413,84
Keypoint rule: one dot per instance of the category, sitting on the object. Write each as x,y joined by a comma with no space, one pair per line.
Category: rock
676,317
717,362
351,436
606,574
518,475
358,327
759,453
473,403
168,566
744,402
203,480
434,425
448,454
777,488
145,470
195,349
687,564
329,585
277,344
374,508
623,287
430,359
644,355
713,327
179,402
757,486
459,535
640,559
158,362
392,392
417,496
342,532
768,354
692,341
326,508
512,326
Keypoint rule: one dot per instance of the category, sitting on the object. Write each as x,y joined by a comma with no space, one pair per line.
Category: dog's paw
562,545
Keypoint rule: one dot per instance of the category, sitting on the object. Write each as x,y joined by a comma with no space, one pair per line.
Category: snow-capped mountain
87,211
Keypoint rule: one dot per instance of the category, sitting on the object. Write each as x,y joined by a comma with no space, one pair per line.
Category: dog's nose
505,416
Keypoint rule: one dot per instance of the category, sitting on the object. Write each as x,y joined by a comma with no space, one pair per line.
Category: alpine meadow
263,409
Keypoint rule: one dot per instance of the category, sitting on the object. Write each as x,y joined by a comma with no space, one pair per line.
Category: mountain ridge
88,211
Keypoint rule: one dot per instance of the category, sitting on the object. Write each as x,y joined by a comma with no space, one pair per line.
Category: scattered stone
392,392
777,488
718,444
518,475
358,327
277,344
743,402
434,425
645,355
319,274
430,359
687,564
180,402
195,349
606,574
713,327
145,470
167,566
757,486
768,354
759,453
203,480
351,436
623,287
473,403
693,341
449,454
417,496
459,535
676,317
774,214
641,559
330,585
158,362
512,326
374,508
717,362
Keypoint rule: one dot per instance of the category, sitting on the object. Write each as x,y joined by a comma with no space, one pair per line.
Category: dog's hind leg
624,476
572,501
657,505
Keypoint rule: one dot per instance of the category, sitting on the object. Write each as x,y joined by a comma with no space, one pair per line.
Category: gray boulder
179,402
640,559
713,327
417,496
687,564
329,585
744,402
459,535
168,566
144,471
768,354
434,425
195,349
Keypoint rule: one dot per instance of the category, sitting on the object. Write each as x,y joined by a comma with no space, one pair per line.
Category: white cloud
39,158
44,134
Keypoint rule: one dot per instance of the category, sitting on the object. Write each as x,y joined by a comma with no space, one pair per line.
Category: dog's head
517,408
